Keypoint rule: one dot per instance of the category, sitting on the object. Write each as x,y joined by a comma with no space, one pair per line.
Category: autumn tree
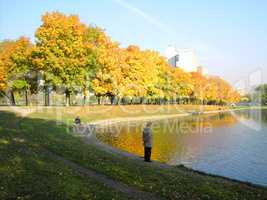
15,68
181,83
224,92
163,88
3,68
78,59
109,78
148,75
213,90
199,84
94,41
139,73
2,78
61,53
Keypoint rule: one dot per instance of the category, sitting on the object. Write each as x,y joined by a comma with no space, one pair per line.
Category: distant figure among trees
147,139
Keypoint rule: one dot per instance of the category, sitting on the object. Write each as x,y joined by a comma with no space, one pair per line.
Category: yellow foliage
70,53
13,59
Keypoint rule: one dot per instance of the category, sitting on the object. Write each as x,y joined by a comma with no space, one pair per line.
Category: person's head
148,124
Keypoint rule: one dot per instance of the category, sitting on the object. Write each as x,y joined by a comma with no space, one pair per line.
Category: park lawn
27,172
169,182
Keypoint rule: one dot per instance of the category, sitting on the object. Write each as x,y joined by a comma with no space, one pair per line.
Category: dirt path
129,191
105,122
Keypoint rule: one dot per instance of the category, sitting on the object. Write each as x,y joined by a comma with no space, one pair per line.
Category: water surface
233,145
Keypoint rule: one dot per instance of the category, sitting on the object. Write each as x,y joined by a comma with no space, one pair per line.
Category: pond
230,144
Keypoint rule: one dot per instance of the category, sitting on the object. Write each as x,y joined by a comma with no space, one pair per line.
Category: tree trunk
5,95
118,101
141,100
112,99
84,100
12,98
47,96
67,97
98,100
26,98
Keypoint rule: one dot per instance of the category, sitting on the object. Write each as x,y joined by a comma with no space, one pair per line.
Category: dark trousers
147,154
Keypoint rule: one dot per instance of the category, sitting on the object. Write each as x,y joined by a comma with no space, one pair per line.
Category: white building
183,58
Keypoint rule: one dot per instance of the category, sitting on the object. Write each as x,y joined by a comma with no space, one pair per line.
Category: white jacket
147,137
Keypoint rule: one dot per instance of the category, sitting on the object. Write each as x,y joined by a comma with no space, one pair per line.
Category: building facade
183,58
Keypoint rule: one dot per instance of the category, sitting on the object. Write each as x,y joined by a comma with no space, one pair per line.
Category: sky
228,36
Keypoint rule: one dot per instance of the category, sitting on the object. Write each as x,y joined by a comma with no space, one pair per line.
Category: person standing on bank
147,139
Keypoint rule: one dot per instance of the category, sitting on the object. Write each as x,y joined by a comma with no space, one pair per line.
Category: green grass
36,134
27,172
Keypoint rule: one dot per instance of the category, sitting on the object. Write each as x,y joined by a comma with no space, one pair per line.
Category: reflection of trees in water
203,123
258,116
168,135
264,116
123,136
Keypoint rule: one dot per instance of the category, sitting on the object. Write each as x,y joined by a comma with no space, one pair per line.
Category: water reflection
222,144
168,134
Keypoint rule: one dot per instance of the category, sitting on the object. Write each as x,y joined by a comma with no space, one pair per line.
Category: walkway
129,191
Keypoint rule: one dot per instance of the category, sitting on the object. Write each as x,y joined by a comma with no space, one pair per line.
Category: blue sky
229,37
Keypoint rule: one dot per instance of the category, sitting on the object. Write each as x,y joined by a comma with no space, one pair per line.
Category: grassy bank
27,172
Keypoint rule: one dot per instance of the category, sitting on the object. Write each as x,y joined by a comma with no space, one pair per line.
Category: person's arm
144,138
150,136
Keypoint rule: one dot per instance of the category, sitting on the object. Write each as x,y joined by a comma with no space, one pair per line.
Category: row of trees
74,58
256,96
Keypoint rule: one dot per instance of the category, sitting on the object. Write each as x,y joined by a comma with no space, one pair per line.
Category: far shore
167,116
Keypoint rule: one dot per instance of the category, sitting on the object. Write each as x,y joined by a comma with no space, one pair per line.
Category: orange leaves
61,50
213,88
2,77
73,54
14,56
56,23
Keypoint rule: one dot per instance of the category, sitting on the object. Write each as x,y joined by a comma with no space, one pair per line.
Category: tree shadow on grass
27,172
